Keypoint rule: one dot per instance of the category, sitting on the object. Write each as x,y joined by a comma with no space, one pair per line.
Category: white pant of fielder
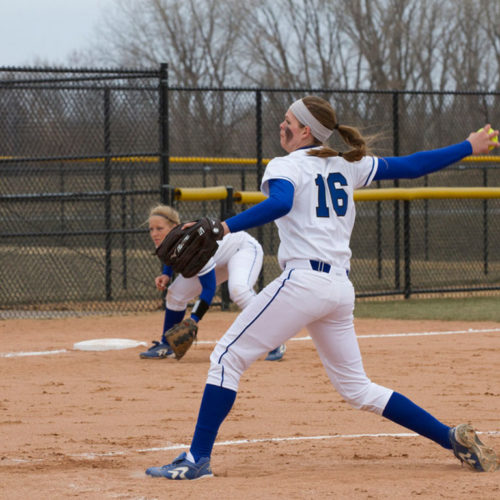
237,261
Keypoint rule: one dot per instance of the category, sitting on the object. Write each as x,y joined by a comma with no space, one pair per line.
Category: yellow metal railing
201,194
218,160
252,197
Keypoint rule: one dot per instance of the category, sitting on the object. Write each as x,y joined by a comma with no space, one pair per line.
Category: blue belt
322,267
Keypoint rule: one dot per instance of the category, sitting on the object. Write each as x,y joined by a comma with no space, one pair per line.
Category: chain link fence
87,153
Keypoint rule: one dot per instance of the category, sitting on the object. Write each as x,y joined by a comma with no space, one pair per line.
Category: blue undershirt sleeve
167,270
278,203
422,163
208,285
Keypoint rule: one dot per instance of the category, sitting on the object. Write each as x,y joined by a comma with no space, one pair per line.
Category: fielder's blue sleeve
278,203
208,285
167,270
422,163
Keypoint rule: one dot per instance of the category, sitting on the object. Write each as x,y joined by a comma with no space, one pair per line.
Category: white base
106,344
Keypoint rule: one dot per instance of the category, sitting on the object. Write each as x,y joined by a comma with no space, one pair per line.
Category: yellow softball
495,139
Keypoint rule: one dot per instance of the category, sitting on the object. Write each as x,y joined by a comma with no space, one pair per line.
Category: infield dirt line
213,342
238,442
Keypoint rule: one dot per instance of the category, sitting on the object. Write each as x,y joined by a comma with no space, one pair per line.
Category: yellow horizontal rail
248,161
209,159
426,193
155,159
248,197
396,194
216,160
201,194
481,159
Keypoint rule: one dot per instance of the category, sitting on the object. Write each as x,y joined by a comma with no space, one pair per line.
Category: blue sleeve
208,285
278,203
167,270
422,163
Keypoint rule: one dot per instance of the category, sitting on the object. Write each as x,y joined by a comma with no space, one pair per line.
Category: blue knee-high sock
404,412
171,319
215,406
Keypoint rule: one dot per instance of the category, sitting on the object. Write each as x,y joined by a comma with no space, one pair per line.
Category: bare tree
197,38
400,41
298,43
489,21
376,44
467,67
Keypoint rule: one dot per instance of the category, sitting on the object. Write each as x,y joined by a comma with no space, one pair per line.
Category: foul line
33,353
213,342
237,442
385,335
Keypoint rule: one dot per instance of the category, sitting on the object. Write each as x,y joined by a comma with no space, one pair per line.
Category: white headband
319,131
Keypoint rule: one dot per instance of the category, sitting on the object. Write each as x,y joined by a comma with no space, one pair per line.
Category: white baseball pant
237,262
323,303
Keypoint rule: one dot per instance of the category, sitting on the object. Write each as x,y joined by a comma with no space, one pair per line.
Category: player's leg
179,293
339,351
243,269
277,313
336,342
337,345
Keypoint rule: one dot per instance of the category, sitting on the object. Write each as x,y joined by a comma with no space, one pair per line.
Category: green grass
448,309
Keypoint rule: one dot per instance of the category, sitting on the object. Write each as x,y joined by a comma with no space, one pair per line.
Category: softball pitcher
310,198
238,261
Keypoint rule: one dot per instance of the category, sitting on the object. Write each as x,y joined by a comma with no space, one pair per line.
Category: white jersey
321,220
317,228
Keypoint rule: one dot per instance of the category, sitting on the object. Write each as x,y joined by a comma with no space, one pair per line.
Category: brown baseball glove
181,336
188,250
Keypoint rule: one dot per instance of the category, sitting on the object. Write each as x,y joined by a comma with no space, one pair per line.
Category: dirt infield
79,424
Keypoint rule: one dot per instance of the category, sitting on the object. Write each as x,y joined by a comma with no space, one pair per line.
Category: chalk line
296,339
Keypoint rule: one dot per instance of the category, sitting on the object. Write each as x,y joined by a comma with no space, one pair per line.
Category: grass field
447,309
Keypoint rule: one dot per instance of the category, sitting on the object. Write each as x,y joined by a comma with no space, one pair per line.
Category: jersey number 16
338,195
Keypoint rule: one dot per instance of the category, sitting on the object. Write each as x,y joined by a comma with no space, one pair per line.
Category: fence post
123,199
168,193
227,210
379,236
395,147
485,225
426,223
258,134
164,142
107,189
407,249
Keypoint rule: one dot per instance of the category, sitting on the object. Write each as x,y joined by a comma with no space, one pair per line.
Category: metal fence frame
156,82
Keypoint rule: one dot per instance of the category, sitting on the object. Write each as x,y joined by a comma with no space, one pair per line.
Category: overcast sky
34,31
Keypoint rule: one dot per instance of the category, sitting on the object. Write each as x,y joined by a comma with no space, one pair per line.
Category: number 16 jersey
320,223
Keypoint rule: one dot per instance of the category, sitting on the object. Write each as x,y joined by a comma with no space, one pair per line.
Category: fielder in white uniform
310,198
238,261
